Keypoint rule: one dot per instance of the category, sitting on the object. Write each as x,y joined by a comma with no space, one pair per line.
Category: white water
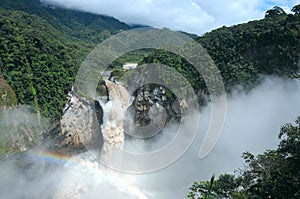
84,177
113,119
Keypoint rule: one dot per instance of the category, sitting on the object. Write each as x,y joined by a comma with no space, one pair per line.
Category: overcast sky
194,16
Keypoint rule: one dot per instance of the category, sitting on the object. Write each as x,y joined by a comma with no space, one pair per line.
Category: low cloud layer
252,124
194,16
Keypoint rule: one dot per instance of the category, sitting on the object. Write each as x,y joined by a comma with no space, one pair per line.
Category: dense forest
42,47
244,52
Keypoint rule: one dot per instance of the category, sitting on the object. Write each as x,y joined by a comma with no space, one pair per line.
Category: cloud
232,12
286,5
194,16
253,121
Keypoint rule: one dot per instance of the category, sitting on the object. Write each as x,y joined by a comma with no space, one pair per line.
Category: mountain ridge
86,26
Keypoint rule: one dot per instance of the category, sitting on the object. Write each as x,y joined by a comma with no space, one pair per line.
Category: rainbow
79,162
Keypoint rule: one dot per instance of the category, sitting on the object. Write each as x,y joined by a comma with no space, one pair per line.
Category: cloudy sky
194,16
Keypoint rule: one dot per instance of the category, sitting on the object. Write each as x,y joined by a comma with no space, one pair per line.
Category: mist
252,123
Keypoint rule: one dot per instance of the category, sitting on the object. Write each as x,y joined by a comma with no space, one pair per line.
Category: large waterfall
113,119
83,176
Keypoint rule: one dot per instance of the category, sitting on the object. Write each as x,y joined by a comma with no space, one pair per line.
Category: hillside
41,49
270,46
244,52
74,24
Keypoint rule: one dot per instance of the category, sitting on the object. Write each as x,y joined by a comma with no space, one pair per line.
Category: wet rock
80,123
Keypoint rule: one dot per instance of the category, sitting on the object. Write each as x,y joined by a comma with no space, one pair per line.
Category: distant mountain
80,25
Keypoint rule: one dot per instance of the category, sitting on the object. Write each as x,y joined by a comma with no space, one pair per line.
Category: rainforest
94,107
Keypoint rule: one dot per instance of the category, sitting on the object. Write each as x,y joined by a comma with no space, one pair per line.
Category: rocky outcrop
150,111
80,123
147,105
153,105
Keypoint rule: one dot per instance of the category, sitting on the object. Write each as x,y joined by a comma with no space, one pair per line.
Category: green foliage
268,46
226,186
275,12
203,190
41,49
38,66
273,174
131,57
296,9
244,52
78,25
118,73
183,67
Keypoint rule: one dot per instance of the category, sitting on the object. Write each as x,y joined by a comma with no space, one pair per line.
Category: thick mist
252,123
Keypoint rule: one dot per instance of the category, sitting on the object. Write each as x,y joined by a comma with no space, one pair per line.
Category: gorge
76,123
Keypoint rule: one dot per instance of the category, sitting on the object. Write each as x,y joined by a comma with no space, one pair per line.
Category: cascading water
113,119
89,179
52,172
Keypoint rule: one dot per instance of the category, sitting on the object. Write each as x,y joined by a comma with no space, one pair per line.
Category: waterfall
114,115
85,177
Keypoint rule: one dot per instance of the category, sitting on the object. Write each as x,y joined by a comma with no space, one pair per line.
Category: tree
296,9
226,186
275,12
275,174
203,190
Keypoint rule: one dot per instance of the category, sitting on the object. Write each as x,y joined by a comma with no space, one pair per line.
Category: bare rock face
150,111
79,124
